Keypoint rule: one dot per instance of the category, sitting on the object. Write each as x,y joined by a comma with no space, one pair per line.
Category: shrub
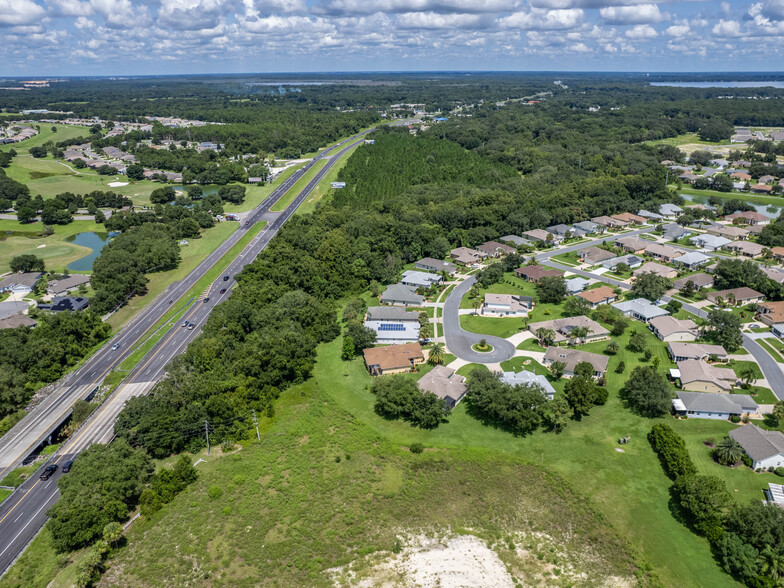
747,461
779,472
215,492
621,368
672,452
417,447
735,418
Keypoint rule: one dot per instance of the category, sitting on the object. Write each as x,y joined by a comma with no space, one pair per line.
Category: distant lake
760,84
766,209
95,241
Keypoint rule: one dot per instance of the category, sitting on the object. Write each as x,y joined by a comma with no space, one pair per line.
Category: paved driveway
460,341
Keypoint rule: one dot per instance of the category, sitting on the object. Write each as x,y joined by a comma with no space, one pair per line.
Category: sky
133,37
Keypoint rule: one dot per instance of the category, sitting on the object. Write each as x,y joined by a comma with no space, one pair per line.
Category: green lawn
685,139
55,252
284,201
761,395
256,194
753,198
629,488
64,133
499,327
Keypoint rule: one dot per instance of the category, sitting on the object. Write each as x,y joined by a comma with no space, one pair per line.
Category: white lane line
32,518
21,514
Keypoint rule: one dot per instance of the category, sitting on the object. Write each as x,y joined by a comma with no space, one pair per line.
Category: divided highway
23,514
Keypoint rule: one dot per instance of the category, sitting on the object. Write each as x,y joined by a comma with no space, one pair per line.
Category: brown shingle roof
598,294
394,356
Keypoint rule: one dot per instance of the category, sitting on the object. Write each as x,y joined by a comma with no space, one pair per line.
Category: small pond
95,241
766,209
205,190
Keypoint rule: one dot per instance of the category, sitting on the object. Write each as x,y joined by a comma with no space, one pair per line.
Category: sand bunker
117,184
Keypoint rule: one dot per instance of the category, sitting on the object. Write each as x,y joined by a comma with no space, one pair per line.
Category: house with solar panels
393,325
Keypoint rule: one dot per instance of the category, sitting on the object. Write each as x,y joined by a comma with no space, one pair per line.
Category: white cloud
543,20
677,31
434,20
725,8
727,28
190,14
404,6
628,15
642,32
20,12
772,9
70,7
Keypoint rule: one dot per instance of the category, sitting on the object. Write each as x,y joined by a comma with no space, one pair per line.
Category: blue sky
105,37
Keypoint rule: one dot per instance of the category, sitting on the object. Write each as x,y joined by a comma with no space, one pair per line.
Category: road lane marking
32,518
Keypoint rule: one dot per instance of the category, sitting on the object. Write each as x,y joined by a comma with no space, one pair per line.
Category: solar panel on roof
392,327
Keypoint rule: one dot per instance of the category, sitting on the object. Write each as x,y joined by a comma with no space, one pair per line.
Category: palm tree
476,304
437,354
545,335
731,300
728,451
748,375
771,562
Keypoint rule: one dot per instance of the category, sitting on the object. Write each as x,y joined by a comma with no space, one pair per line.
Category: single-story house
778,330
774,273
710,242
525,378
692,260
589,227
62,286
419,279
663,252
401,295
674,232
632,244
740,176
668,328
700,281
670,210
594,255
745,248
571,357
445,384
65,303
749,217
681,351
706,405
599,296
17,320
755,229
562,230
641,309
534,273
762,189
436,265
742,296
630,218
610,222
543,236
494,249
631,260
731,233
517,241
576,285
393,324
20,282
699,376
506,305
771,313
765,448
778,253
651,216
466,256
563,327
652,267
394,359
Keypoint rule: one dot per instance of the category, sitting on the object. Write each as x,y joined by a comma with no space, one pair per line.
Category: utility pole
256,422
207,432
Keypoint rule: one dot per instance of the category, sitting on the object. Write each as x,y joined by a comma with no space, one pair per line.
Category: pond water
205,190
759,84
766,209
95,241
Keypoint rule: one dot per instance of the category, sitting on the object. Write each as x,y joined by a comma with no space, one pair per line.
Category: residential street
459,341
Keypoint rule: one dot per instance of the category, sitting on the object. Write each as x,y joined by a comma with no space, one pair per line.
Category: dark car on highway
207,299
225,278
67,466
223,290
48,471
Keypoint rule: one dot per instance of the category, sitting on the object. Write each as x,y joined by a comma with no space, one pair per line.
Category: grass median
174,313
284,201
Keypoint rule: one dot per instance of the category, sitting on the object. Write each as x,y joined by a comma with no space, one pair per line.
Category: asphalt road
40,422
23,514
460,341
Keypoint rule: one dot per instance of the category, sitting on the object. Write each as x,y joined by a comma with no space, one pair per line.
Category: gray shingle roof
758,443
721,403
